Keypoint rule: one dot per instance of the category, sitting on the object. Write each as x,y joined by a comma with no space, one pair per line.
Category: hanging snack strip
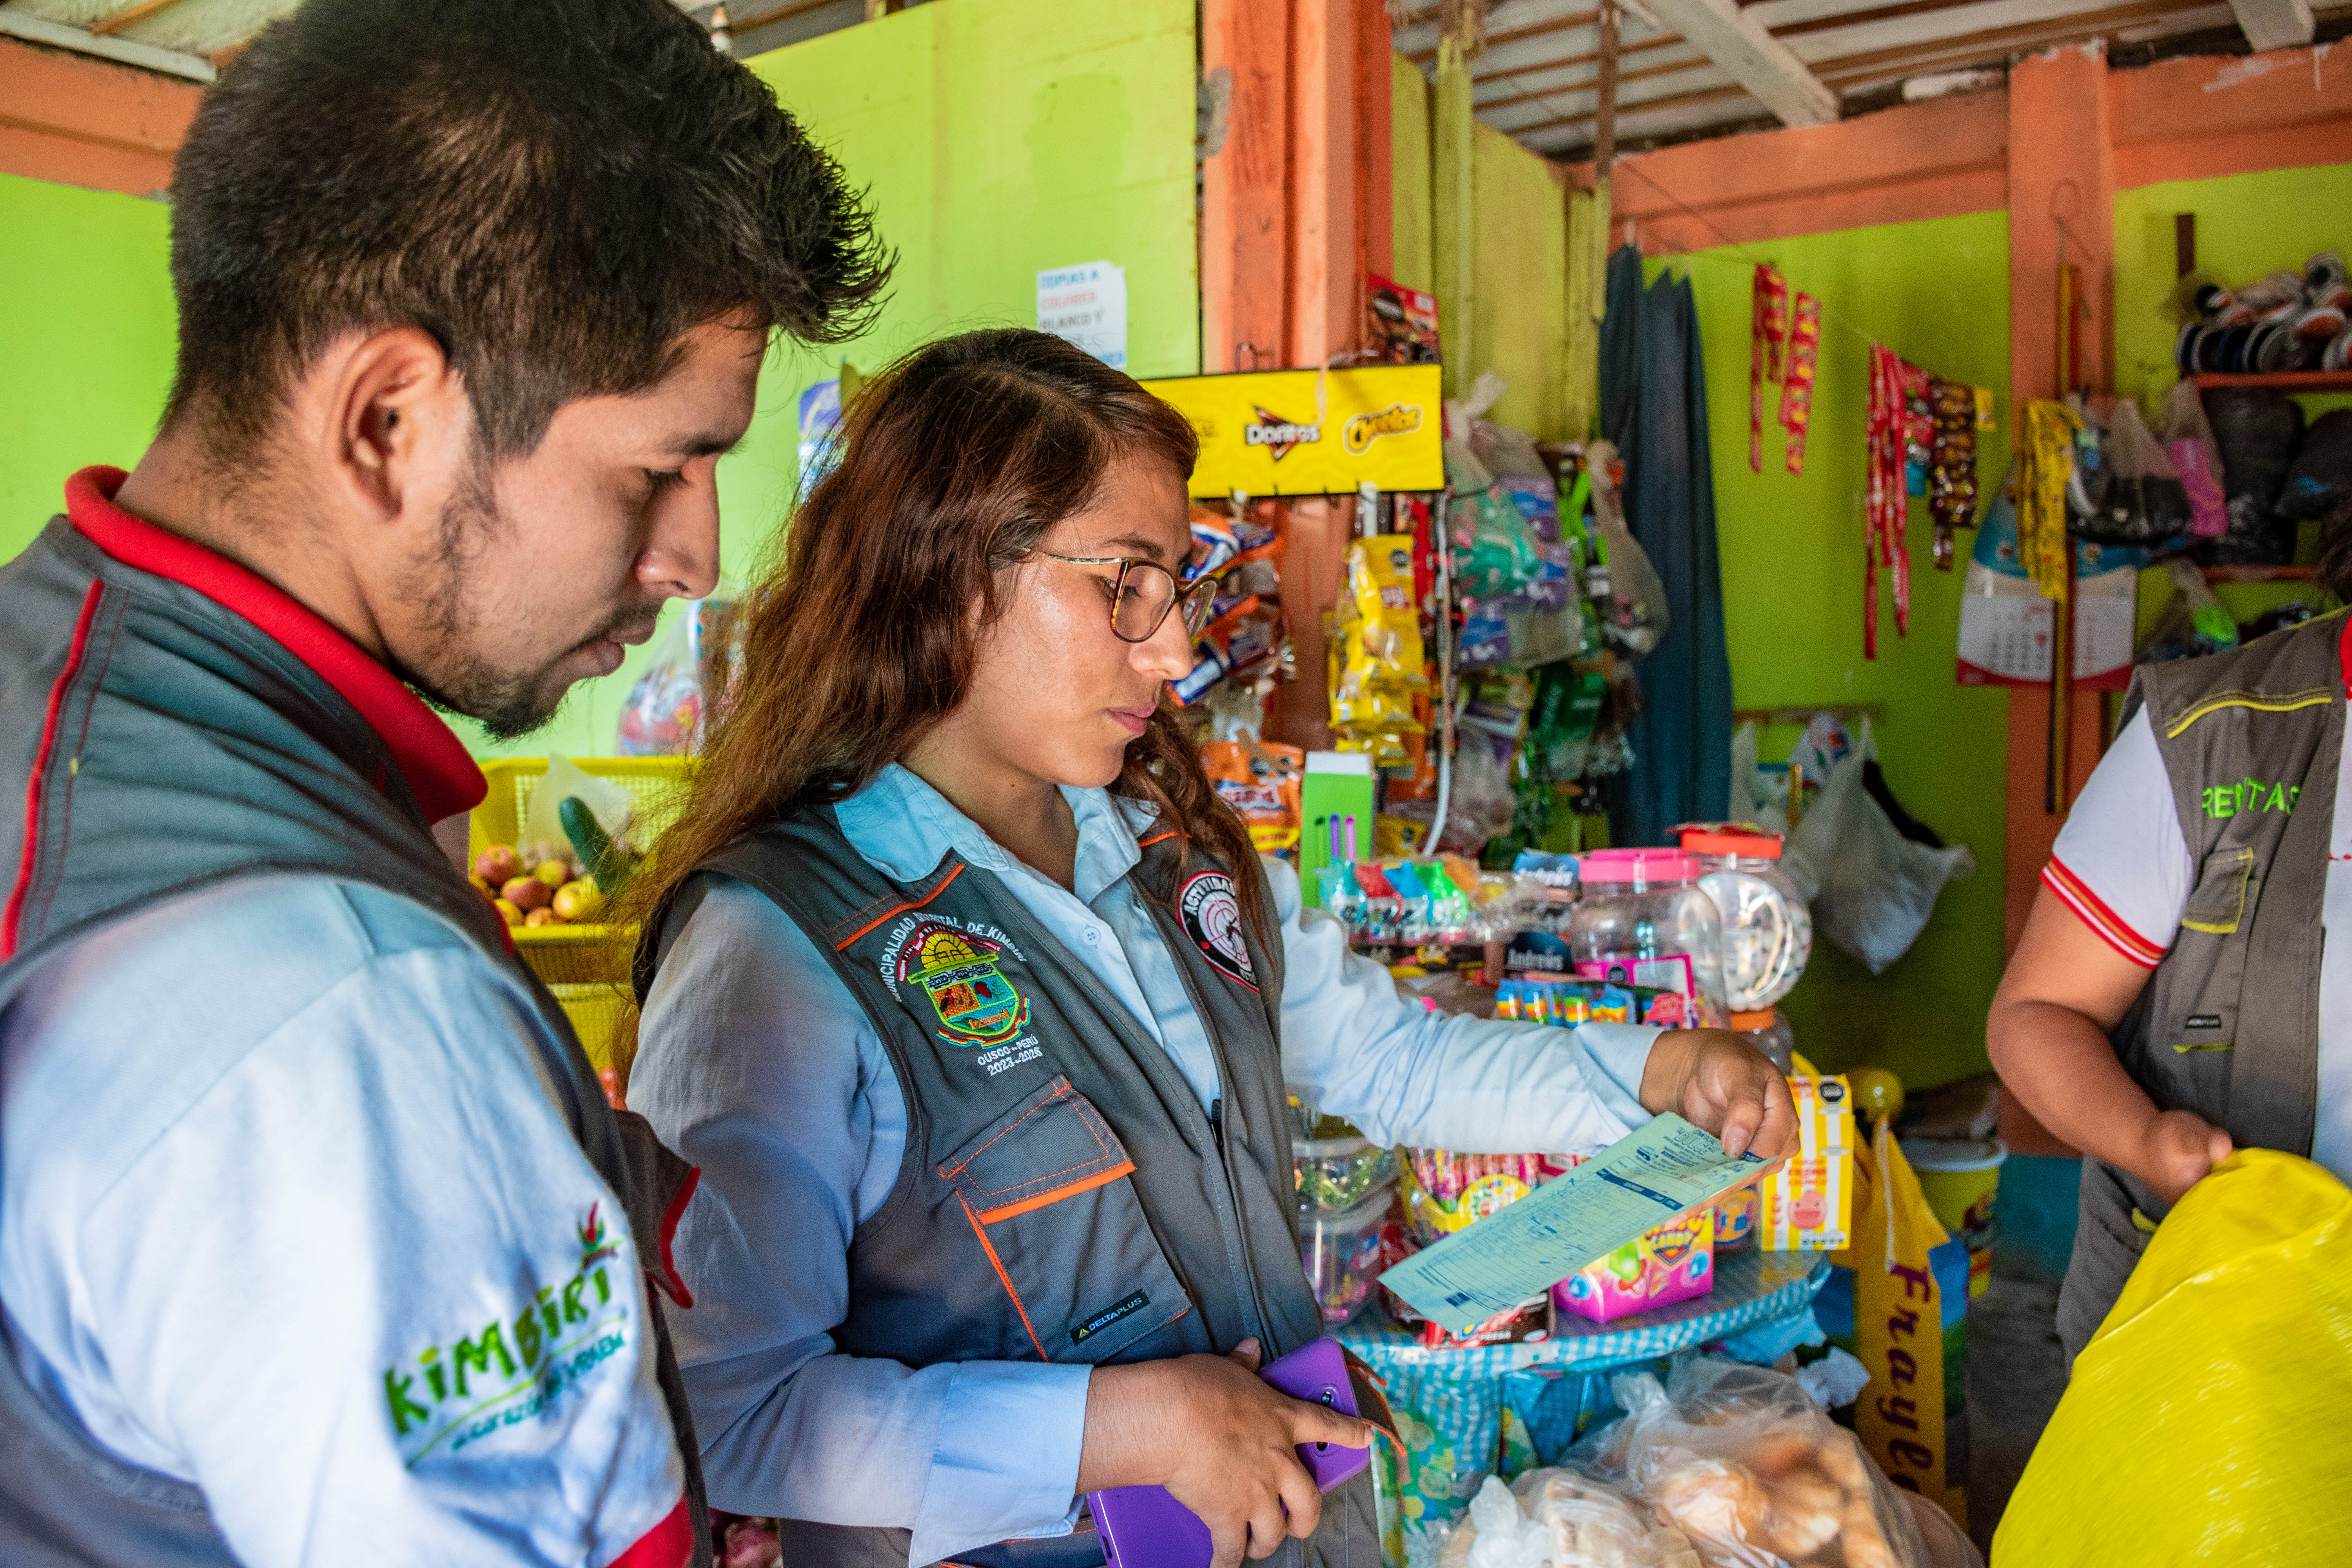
1803,365
1769,329
1952,477
1884,499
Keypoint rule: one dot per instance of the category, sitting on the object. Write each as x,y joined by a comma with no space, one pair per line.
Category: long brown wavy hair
957,459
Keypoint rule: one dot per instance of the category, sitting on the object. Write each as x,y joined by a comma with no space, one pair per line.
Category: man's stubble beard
448,674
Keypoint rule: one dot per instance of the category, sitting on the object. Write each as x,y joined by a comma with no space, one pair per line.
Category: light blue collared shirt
757,1064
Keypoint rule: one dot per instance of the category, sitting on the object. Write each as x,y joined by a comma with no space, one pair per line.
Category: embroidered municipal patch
975,1004
1212,919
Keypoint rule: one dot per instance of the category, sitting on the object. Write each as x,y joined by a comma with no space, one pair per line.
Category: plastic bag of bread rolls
1751,1471
1561,1518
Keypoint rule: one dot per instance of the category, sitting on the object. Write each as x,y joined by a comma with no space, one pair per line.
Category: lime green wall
996,137
1519,261
87,332
1936,292
1409,175
2247,225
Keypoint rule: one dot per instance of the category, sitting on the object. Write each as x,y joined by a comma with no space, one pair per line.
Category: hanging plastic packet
1213,546
1918,429
1261,784
1484,639
1449,907
1383,906
1343,894
1380,583
1405,878
692,674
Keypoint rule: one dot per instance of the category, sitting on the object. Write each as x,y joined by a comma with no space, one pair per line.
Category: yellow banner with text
1313,432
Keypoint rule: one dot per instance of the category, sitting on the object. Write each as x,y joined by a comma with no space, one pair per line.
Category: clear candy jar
1768,931
1644,920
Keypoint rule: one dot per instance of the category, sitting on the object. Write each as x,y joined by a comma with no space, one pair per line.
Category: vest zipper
1241,1259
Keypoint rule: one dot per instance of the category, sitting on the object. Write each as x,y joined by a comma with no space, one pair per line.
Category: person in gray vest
319,1242
2182,988
975,1005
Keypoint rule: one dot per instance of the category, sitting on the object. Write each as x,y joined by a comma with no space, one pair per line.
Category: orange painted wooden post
89,123
2061,182
2061,179
1245,183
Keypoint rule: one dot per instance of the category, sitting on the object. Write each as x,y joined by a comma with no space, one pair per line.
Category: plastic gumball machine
1768,936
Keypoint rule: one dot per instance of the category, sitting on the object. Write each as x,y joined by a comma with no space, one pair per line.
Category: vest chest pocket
2218,905
1046,1188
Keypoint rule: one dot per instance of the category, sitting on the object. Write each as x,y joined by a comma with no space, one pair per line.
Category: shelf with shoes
2290,381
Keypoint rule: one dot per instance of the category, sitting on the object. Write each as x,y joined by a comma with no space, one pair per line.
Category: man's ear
398,424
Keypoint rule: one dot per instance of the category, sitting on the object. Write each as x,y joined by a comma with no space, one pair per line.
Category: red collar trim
2344,655
434,763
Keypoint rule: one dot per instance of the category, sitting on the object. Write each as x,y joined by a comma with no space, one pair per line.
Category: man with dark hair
318,1242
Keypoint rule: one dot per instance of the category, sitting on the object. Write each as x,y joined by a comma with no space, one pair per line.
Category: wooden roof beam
1753,57
2275,24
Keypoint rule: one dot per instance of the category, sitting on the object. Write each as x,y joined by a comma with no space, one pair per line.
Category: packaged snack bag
1445,1191
1260,782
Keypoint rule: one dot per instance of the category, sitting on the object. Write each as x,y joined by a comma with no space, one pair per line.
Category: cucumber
607,862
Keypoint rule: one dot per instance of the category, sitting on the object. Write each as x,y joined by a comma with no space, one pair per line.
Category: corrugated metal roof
1535,81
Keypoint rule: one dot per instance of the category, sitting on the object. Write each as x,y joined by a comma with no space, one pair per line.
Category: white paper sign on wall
1086,304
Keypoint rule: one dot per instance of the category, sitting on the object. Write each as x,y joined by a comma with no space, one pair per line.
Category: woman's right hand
2178,1149
1220,1439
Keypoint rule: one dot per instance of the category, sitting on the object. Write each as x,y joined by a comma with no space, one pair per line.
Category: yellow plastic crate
595,1013
577,958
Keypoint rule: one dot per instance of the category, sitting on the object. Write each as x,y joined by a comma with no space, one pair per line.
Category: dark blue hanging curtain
1654,407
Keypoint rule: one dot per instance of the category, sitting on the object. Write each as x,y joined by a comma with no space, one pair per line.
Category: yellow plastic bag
2209,1419
1898,1326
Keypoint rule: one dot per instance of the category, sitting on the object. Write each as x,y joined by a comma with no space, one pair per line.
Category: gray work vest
2228,1025
1062,1197
174,745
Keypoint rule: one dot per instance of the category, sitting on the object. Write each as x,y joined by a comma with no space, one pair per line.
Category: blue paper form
1665,1170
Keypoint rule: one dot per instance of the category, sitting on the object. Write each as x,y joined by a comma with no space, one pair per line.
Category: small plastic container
1734,1220
1644,920
1338,1174
1768,931
1341,1254
1769,1032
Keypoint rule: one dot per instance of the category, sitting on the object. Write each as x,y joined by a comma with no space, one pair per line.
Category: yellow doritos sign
1307,432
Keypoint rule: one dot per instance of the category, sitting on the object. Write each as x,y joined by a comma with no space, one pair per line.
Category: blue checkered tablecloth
1470,1413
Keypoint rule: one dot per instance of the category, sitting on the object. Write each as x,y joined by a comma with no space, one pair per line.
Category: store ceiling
193,37
1536,79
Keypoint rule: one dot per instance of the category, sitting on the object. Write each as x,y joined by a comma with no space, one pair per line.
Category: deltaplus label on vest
2247,794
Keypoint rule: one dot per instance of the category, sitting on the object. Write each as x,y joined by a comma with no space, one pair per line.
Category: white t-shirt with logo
2121,864
288,1211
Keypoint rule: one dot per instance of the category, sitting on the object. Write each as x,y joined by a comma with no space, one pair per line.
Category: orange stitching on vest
1006,1279
1100,1179
951,1172
843,944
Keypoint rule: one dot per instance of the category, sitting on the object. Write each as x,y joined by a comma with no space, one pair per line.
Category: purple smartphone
1143,1526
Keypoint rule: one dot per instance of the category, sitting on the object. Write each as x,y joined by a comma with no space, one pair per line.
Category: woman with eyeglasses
974,1005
